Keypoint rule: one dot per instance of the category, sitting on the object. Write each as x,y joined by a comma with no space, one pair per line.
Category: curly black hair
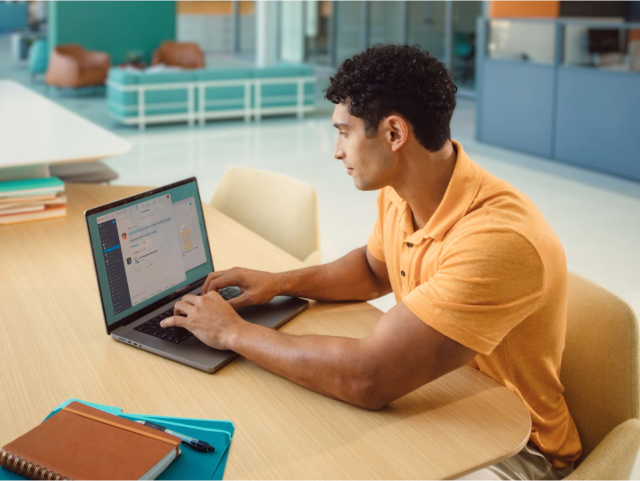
399,79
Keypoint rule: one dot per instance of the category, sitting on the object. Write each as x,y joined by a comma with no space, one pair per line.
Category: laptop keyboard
177,334
173,334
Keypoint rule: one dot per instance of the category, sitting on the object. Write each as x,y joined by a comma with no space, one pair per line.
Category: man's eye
344,134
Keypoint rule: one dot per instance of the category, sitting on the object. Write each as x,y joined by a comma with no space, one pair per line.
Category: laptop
151,249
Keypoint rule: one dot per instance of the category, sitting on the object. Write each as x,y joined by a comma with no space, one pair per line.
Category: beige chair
281,209
600,375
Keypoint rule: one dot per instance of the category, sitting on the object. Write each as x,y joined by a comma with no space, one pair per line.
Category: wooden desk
37,132
53,346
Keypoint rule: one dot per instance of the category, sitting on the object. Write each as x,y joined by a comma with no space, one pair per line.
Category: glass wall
331,32
426,26
463,59
221,27
247,28
304,31
209,24
317,21
350,29
386,23
522,40
292,31
605,47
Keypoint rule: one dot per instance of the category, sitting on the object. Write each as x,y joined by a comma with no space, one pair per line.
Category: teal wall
113,27
13,17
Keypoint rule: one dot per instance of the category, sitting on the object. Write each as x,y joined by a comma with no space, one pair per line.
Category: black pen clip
201,446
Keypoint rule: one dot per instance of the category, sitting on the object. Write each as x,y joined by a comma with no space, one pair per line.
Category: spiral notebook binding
17,465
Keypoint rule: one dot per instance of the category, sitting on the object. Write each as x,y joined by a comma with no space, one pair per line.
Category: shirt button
409,244
402,273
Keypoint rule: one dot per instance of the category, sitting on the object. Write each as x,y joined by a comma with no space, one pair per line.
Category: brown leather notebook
80,442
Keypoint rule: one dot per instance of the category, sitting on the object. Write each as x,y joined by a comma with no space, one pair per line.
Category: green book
41,186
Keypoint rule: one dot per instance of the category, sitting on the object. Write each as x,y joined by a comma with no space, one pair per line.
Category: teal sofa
141,98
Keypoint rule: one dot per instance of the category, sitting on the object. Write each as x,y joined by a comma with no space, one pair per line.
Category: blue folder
191,464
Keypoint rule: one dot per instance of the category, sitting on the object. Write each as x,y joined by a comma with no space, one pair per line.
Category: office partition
565,90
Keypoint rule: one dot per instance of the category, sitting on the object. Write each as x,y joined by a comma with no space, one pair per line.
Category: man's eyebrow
340,125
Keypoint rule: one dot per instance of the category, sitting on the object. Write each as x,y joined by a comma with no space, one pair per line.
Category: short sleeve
376,239
486,284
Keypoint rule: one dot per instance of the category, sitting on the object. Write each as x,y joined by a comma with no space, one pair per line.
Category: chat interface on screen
149,247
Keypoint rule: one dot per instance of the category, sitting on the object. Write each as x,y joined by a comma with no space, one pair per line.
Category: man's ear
396,131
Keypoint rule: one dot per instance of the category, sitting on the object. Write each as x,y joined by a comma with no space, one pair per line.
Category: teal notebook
190,464
41,186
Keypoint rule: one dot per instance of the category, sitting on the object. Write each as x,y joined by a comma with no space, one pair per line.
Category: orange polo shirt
488,272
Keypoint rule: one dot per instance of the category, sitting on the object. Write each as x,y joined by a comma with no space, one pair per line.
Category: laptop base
194,352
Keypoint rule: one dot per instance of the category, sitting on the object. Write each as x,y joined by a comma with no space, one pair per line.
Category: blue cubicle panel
517,99
598,116
13,17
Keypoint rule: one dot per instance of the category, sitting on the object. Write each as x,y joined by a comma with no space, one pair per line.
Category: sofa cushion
284,94
224,74
224,98
123,76
166,77
157,102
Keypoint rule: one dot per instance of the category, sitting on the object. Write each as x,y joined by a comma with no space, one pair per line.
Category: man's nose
338,153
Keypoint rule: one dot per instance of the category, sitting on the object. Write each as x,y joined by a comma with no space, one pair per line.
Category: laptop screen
149,248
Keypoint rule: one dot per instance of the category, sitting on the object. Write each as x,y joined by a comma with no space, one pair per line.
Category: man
479,276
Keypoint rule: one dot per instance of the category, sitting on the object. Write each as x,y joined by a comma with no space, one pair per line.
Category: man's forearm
347,279
332,366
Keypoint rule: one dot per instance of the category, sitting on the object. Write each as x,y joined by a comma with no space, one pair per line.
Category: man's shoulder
507,220
500,205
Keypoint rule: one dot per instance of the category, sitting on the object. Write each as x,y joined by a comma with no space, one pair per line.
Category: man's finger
210,277
185,307
240,301
191,299
213,293
220,282
178,321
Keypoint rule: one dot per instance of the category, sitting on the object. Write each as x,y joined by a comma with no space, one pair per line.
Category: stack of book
31,199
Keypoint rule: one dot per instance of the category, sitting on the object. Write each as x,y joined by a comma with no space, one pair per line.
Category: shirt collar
460,194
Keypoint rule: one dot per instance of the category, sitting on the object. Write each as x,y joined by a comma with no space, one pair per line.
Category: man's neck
424,180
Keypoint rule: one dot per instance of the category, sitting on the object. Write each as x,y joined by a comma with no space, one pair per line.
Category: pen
194,443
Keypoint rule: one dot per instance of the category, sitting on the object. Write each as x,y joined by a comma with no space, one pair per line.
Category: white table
36,132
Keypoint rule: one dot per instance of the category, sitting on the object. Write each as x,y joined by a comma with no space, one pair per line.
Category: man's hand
210,318
257,287
358,276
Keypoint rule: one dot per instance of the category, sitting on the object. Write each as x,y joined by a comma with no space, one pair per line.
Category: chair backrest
72,49
600,361
281,209
179,54
39,56
463,47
